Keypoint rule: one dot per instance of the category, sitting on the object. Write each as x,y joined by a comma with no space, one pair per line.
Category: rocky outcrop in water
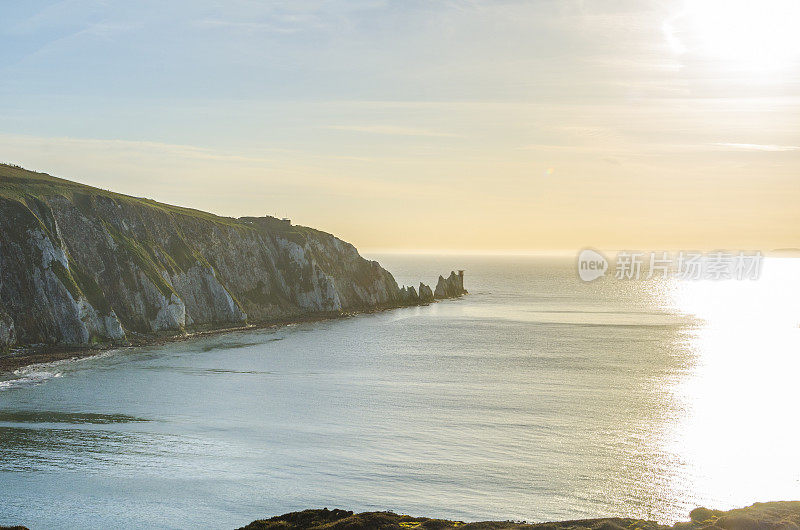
760,516
425,294
409,296
80,265
450,287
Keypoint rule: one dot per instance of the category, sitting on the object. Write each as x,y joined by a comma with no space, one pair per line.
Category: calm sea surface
536,397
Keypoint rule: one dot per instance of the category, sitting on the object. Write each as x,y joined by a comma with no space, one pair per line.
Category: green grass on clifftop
23,185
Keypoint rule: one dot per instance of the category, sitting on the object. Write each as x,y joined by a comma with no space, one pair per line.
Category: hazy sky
459,124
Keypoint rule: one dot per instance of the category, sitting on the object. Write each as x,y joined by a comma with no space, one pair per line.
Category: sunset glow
640,124
759,38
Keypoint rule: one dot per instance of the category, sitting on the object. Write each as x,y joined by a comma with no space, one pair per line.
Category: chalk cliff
80,265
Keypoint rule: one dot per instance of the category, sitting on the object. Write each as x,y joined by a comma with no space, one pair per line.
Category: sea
536,397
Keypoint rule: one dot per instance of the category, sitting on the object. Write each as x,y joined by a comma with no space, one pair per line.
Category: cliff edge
81,266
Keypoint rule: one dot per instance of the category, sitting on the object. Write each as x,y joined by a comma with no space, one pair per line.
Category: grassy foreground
783,515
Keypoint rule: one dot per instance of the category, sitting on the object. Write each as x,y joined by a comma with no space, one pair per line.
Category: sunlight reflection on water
736,440
536,397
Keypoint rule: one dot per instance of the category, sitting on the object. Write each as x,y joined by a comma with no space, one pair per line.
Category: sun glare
743,35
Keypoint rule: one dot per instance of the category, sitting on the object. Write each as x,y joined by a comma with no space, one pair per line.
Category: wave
36,374
28,379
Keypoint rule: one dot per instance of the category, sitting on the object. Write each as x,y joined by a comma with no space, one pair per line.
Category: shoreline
43,354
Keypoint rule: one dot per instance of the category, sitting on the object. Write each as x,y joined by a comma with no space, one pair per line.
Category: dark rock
346,520
409,296
698,515
425,294
609,525
738,522
304,519
451,287
766,516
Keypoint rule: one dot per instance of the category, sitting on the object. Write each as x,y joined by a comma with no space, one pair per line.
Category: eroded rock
450,287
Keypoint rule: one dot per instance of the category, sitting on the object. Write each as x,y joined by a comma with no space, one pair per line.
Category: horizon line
778,252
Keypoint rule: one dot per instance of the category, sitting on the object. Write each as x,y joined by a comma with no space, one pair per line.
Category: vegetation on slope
148,267
759,516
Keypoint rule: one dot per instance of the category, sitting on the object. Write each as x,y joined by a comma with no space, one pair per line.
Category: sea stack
450,287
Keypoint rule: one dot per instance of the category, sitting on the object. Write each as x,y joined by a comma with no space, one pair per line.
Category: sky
469,125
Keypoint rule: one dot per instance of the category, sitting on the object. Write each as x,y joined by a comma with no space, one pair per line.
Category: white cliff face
328,292
171,315
205,298
322,297
113,328
93,272
82,265
8,335
296,253
317,290
75,320
39,241
101,327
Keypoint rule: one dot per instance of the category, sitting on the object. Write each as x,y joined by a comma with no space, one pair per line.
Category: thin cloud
759,147
189,163
127,146
392,130
247,26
